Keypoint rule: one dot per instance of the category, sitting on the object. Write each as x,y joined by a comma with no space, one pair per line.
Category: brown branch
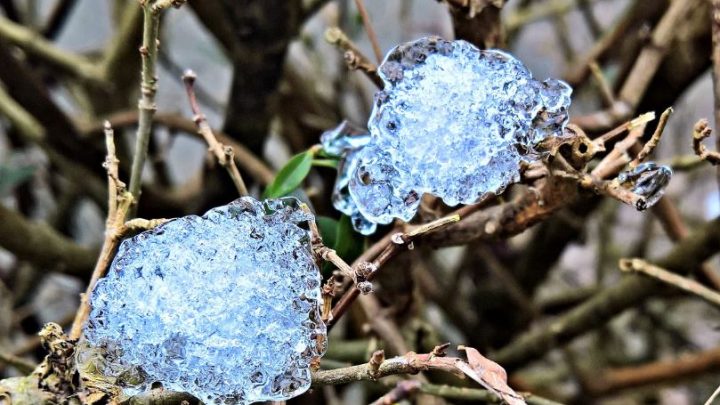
119,203
360,4
643,70
664,371
42,246
581,69
702,131
479,22
474,394
509,219
605,89
411,363
57,18
354,58
243,156
380,253
686,257
714,157
224,154
161,397
683,283
650,146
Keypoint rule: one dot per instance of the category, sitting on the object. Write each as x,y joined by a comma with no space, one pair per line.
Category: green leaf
348,243
11,177
290,176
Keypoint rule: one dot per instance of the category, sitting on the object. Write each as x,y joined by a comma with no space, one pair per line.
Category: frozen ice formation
453,121
223,306
345,142
648,180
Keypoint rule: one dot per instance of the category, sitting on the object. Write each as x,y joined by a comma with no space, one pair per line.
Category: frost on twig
225,306
452,121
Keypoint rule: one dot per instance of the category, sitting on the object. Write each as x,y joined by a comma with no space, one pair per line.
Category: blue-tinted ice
223,306
453,121
647,180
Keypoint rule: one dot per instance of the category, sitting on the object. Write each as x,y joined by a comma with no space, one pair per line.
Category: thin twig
714,396
224,154
683,283
243,156
380,253
715,23
683,367
643,70
360,4
654,140
686,256
701,131
77,66
474,394
579,72
148,89
637,122
354,58
119,203
605,89
618,157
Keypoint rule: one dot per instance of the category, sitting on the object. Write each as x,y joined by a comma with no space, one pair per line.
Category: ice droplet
223,306
647,180
453,121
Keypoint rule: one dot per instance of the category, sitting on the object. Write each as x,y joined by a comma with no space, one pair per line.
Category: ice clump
648,180
223,306
453,121
346,142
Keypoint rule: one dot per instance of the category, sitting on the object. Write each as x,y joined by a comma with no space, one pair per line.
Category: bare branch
224,154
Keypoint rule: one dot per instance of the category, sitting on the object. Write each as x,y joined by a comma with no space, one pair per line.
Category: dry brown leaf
488,374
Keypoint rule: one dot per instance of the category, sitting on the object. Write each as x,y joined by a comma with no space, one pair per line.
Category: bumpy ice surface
347,143
223,306
452,121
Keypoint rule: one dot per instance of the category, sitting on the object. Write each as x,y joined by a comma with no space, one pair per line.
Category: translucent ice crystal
223,306
647,180
453,121
344,142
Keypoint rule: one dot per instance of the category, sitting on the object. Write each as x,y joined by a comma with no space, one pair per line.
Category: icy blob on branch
345,142
453,121
647,180
223,306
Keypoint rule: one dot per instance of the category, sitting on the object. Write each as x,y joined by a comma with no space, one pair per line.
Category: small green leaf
11,177
290,176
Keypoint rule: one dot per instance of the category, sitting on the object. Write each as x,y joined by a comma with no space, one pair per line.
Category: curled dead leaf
488,374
